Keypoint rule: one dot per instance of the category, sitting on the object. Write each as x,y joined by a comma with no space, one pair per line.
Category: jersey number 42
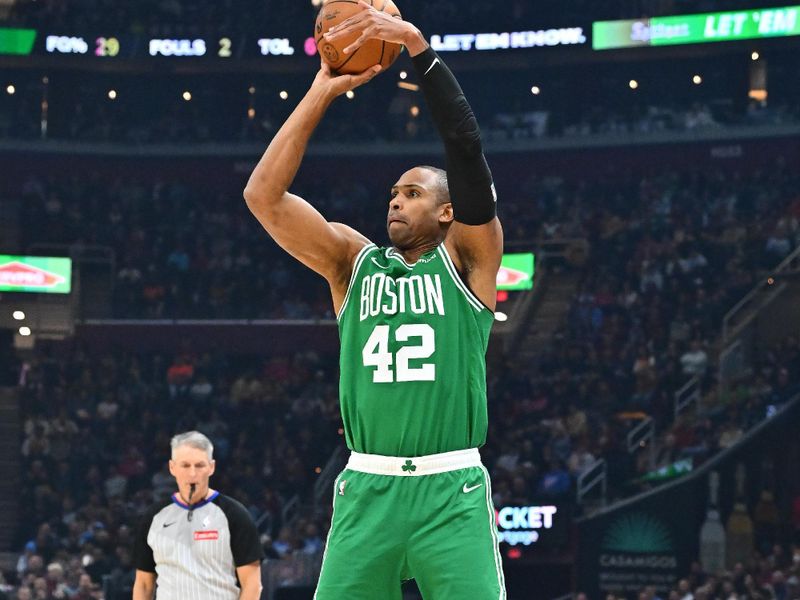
376,354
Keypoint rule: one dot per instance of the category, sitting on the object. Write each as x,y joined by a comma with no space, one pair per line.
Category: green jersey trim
362,254
451,268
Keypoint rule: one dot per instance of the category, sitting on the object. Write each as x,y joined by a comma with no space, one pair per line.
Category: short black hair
442,189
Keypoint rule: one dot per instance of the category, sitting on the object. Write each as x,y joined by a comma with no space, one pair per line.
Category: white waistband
416,465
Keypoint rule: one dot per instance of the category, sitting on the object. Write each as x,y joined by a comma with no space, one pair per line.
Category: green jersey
413,356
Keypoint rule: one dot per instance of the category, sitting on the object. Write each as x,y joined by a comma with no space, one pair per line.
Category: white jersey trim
392,253
330,533
362,254
498,559
451,268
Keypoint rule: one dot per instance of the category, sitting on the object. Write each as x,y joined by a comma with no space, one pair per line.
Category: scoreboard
31,42
601,35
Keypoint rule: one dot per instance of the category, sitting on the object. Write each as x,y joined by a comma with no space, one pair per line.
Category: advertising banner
697,28
650,544
546,526
16,41
516,272
37,274
652,539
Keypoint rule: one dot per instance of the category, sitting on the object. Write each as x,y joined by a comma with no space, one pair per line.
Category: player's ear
172,468
446,213
213,468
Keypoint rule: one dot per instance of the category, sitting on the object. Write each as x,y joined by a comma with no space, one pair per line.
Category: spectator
695,360
555,482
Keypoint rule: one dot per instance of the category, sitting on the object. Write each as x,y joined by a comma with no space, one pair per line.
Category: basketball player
414,500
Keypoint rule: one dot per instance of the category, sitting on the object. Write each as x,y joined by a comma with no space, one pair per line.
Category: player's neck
411,255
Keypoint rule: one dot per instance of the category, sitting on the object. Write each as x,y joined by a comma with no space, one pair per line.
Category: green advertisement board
652,538
37,274
669,471
516,272
16,41
697,28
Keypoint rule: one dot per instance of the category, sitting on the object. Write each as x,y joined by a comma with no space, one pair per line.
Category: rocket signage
35,274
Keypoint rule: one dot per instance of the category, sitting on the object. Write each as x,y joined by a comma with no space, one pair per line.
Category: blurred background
644,369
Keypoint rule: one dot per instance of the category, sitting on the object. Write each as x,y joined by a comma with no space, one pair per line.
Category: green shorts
427,518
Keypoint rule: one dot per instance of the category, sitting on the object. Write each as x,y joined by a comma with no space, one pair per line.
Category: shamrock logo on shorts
409,466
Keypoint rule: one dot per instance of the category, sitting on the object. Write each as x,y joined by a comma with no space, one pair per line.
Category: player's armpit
297,227
477,251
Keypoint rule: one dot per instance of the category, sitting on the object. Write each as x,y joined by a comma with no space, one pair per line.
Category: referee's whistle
191,493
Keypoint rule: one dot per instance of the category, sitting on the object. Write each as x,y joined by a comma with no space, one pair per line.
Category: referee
198,544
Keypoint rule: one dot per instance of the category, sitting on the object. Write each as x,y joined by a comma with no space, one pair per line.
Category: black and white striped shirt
197,559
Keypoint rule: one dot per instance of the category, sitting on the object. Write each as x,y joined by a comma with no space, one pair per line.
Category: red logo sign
200,536
506,276
21,275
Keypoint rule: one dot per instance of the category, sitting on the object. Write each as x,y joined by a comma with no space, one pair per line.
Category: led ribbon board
516,272
464,42
543,526
37,274
16,41
697,29
226,47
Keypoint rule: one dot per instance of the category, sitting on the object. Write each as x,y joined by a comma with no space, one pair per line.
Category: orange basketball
373,52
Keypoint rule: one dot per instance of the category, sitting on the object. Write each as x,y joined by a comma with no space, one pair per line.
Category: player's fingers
350,29
364,77
357,44
366,7
325,69
347,23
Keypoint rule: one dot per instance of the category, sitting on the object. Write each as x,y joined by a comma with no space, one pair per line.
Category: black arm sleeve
142,552
245,543
468,176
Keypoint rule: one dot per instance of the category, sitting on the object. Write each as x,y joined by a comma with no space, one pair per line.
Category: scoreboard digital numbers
65,44
26,42
19,41
107,46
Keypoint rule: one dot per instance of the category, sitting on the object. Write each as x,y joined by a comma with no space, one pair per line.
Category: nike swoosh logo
168,524
377,264
433,64
467,490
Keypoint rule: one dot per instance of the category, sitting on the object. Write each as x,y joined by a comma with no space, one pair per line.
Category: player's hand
371,23
336,85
